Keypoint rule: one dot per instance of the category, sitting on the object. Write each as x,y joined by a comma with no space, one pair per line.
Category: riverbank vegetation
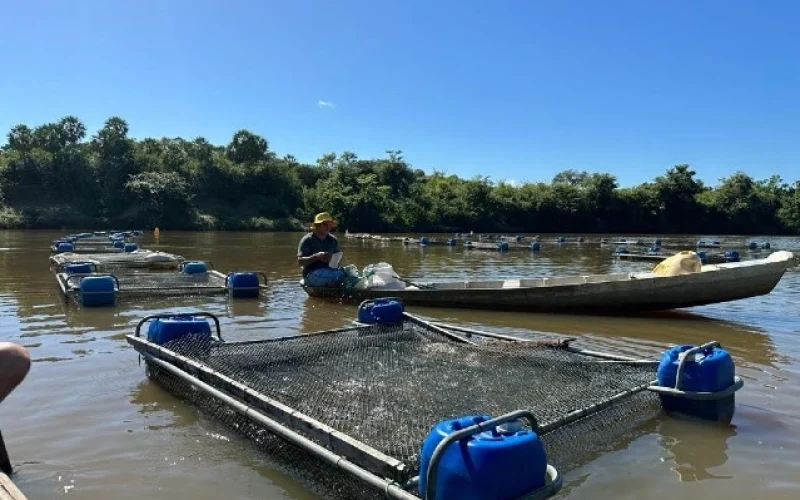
56,176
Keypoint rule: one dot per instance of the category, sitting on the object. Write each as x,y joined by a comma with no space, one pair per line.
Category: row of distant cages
502,243
468,240
122,241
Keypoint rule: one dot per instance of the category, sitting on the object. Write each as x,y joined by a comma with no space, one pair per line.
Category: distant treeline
53,177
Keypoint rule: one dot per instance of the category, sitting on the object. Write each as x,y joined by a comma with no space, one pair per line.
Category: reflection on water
680,440
88,414
161,408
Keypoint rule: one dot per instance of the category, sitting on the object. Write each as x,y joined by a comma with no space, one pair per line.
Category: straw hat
324,217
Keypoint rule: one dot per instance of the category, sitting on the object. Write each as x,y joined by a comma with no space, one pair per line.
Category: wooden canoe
606,293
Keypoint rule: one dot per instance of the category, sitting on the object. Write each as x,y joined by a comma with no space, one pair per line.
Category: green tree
678,191
48,174
162,199
246,147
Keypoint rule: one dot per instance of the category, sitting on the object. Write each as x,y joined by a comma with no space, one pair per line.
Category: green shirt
311,244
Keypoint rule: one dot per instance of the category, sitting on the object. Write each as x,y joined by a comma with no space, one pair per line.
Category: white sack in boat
381,276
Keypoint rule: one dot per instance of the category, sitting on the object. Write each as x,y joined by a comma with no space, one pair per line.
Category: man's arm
304,256
306,261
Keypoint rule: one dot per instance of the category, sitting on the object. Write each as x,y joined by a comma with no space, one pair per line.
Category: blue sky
513,89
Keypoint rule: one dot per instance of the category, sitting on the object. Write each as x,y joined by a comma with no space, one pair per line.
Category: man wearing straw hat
315,251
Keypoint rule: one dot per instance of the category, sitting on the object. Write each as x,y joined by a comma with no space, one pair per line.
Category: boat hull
644,292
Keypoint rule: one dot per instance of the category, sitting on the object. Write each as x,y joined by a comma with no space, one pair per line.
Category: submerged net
164,283
387,387
276,454
84,249
105,260
95,242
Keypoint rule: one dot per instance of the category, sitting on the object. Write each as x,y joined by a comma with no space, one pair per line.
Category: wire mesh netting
137,259
168,282
387,387
277,454
98,242
84,249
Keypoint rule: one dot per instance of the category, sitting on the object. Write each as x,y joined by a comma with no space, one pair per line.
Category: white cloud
511,182
326,104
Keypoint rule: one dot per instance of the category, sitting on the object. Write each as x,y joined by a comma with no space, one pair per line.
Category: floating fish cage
399,407
82,282
706,243
705,258
125,241
137,259
61,247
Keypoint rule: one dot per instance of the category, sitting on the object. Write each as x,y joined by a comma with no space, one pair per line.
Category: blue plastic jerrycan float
495,464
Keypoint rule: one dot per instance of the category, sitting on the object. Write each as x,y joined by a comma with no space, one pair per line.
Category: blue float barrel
621,250
494,464
163,330
452,242
711,370
653,250
766,245
63,246
752,245
657,242
79,268
424,240
97,291
703,257
119,244
731,256
194,267
581,239
503,246
381,311
561,239
536,246
131,247
243,285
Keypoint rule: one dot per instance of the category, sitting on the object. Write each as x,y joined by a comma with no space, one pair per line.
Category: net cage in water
346,411
139,259
101,242
96,288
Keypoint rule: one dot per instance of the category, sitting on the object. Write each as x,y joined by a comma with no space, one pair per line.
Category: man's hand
322,257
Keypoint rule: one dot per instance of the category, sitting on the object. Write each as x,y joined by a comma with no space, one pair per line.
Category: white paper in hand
335,260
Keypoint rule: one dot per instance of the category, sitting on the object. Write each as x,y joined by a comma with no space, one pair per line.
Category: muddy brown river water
88,424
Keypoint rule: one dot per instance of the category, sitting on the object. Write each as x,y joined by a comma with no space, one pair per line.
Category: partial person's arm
305,258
